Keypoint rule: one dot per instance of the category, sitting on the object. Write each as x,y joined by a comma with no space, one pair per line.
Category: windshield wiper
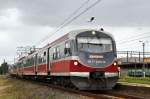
95,44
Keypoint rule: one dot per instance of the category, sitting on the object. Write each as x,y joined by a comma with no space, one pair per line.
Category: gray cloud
107,12
36,18
121,13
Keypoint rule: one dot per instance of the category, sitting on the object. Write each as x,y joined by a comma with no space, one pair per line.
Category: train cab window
95,45
67,49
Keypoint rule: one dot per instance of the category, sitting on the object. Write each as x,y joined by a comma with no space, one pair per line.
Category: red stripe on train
42,68
29,69
68,66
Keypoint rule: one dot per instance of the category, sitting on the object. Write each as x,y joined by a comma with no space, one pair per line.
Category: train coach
85,59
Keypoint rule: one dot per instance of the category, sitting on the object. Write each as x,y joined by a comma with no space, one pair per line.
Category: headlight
115,63
76,63
93,32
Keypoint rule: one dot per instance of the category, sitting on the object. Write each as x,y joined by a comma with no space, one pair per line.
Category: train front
95,67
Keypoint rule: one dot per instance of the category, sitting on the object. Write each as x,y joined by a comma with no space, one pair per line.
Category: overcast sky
25,22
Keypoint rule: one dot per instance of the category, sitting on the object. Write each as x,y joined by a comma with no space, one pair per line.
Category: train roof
69,35
75,32
72,34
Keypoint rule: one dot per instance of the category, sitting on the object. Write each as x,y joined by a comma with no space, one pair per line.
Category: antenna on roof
101,29
91,19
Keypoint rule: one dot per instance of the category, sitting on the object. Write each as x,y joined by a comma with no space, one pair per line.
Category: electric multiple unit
85,59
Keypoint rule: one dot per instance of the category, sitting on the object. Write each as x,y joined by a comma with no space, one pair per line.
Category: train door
35,64
67,52
50,52
48,64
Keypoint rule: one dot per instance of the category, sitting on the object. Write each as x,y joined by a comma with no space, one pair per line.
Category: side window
73,45
58,52
50,54
67,49
42,57
39,58
34,60
24,63
67,45
62,46
17,64
27,62
54,53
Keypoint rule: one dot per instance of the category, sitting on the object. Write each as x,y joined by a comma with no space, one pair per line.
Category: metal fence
133,57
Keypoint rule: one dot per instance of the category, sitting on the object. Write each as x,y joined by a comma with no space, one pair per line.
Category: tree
4,68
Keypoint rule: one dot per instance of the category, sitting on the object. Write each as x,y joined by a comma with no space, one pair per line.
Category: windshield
94,45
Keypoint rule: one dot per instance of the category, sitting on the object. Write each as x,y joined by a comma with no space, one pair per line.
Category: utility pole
143,44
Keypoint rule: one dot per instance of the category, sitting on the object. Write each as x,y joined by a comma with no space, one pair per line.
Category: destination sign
96,56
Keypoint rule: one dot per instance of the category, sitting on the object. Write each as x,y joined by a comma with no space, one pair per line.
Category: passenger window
67,50
58,53
61,50
44,57
54,53
50,54
67,45
44,53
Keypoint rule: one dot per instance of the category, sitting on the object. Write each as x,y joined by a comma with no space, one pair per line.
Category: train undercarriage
74,82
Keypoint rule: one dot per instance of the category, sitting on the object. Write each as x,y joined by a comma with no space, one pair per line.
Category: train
85,59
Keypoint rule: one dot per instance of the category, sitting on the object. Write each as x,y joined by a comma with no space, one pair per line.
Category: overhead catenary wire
71,20
135,36
128,47
70,16
75,12
134,39
130,42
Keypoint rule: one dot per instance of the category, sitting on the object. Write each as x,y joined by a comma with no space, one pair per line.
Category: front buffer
94,81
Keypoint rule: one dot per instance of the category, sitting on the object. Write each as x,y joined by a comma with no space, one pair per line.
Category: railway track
111,94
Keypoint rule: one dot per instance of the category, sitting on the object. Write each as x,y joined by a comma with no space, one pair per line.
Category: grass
14,89
139,80
17,89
